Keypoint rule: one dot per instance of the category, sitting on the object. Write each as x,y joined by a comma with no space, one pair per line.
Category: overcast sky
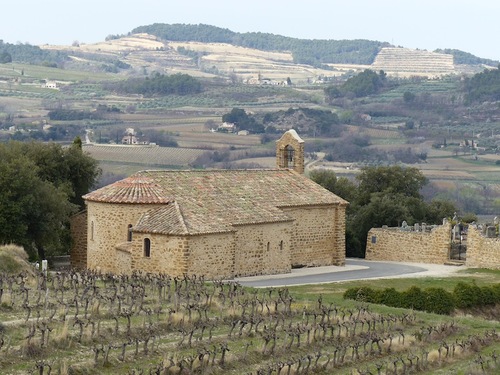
469,25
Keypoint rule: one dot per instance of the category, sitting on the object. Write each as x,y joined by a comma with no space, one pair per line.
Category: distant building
227,127
130,138
51,85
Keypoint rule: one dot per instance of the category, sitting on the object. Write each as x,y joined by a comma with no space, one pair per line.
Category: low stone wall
394,244
482,252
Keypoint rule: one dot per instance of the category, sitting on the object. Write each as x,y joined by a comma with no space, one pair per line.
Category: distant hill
312,52
27,53
206,51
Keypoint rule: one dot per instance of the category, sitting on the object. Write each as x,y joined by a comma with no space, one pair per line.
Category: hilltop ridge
144,53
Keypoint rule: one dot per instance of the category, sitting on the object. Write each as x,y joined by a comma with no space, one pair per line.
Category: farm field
98,324
148,156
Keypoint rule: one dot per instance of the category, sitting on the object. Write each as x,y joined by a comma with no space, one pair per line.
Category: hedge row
434,300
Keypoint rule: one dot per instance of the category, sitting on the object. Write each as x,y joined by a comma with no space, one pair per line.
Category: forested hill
312,52
466,58
27,53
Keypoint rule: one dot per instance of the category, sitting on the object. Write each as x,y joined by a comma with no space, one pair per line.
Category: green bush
467,295
496,291
364,294
351,293
487,296
413,298
439,301
389,297
434,300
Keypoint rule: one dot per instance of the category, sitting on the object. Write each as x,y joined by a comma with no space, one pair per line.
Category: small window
268,246
92,231
129,233
147,247
281,245
374,239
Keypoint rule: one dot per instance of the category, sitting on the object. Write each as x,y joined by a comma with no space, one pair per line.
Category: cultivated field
147,156
71,323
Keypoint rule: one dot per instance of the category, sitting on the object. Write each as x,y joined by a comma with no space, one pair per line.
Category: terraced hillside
405,62
147,53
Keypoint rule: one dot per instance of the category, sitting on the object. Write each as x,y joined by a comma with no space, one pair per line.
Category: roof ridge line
180,216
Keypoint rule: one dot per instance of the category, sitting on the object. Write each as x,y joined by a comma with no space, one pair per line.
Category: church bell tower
290,152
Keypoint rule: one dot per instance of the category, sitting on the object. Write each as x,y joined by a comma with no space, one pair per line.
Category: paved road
363,270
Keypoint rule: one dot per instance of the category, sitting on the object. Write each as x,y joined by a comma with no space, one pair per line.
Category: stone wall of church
123,259
212,255
393,244
318,235
262,249
314,238
168,254
107,226
482,252
78,251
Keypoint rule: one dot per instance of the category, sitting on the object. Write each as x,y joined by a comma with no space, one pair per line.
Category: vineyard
413,62
88,323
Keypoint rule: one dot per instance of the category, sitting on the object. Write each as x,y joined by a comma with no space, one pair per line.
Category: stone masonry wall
107,226
212,255
318,235
315,238
262,249
403,246
482,252
78,252
168,254
122,255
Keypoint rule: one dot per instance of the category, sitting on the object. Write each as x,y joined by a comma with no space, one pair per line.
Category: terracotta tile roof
169,219
211,201
135,189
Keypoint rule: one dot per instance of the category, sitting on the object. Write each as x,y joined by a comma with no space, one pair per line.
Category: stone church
217,223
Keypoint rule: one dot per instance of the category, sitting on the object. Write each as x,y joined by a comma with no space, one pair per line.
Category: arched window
92,231
289,157
147,247
268,246
129,233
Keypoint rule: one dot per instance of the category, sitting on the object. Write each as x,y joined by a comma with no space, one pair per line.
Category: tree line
382,196
159,84
41,186
363,84
483,86
26,53
461,57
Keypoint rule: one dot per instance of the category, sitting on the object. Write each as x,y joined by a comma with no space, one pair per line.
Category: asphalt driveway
355,269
